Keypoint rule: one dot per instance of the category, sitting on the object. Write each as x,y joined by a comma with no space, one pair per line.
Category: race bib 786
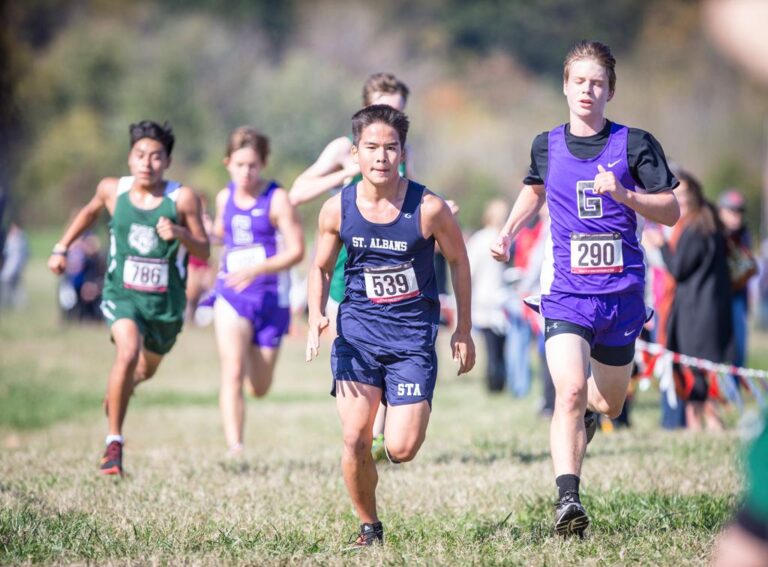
145,274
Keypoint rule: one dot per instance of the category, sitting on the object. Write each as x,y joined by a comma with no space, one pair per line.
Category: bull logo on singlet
241,230
142,238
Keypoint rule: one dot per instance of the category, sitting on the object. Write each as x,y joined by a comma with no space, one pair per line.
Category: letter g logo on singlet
241,230
589,207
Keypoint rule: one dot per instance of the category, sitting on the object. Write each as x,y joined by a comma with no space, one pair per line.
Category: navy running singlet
391,294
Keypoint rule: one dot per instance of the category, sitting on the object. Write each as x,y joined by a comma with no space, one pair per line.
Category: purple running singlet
249,239
594,239
594,272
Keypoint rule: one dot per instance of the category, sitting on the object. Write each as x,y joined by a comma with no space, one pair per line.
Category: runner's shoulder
330,212
107,186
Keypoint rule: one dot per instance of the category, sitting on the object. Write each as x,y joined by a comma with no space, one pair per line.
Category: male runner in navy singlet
388,319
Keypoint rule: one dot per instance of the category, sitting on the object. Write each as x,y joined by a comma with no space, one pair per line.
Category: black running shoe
590,424
570,516
368,535
112,461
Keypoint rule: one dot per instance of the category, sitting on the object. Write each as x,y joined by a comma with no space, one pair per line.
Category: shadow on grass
488,453
32,405
29,402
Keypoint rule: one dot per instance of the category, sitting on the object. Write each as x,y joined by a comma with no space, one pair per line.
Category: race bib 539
389,284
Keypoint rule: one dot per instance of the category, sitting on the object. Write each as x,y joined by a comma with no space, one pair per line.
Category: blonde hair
249,137
600,52
385,83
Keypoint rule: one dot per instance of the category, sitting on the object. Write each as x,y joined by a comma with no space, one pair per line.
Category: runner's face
147,161
587,88
395,100
379,153
244,167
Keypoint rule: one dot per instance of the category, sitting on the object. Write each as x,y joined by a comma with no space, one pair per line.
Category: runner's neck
588,126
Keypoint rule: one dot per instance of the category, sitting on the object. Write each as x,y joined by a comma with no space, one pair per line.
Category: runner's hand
350,172
606,183
500,249
463,350
167,229
57,263
316,328
242,278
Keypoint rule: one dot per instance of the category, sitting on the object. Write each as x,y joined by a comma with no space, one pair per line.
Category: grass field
480,492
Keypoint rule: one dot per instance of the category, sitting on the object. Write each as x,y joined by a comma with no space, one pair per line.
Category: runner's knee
127,357
571,398
402,452
142,373
258,388
357,443
232,375
611,410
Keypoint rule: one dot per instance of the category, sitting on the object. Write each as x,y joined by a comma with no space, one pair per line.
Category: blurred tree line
485,78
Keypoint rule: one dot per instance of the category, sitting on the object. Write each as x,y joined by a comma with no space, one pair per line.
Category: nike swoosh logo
260,212
627,333
612,163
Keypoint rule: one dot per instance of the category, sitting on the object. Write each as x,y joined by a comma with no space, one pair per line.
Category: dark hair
153,131
249,137
379,113
702,214
592,50
383,83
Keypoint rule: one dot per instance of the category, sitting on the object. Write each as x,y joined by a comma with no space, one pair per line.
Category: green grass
480,491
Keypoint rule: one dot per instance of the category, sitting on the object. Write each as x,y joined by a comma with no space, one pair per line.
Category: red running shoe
112,461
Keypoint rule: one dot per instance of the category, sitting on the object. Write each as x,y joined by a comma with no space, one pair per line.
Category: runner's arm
332,168
660,206
85,217
217,232
441,223
657,207
320,271
189,231
527,204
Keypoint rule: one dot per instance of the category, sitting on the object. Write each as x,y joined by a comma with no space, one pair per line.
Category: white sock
118,438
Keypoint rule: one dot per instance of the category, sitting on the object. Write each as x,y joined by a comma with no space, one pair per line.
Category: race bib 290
597,253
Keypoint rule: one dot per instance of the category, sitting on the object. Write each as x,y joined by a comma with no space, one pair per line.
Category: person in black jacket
700,321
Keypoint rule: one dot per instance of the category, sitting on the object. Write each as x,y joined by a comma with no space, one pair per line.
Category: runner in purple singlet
262,238
597,177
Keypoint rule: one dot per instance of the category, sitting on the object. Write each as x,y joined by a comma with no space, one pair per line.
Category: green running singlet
143,269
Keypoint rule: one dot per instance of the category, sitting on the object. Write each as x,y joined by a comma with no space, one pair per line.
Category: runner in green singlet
154,224
745,542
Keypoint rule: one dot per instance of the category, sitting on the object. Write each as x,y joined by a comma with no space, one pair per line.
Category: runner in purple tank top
597,177
262,238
